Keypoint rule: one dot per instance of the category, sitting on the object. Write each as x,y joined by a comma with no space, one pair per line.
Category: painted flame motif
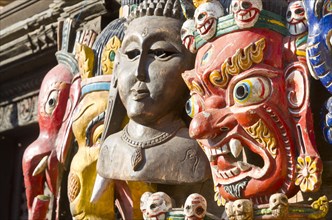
242,60
261,133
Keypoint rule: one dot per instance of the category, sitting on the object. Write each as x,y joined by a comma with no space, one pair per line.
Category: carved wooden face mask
248,114
52,103
246,12
87,126
206,16
296,21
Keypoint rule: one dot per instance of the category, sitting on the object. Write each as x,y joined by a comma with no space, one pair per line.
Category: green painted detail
301,40
301,210
112,55
262,212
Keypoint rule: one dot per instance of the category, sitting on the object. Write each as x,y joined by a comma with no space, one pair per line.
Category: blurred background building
28,38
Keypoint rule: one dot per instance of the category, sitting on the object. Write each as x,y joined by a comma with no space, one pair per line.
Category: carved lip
296,21
140,92
246,15
206,26
232,162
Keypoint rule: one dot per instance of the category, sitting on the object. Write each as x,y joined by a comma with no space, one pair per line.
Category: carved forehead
153,28
227,46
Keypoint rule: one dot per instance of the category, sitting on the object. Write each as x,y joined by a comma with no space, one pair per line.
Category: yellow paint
262,134
199,2
83,167
276,22
137,189
301,53
306,170
112,46
241,61
219,79
322,206
85,60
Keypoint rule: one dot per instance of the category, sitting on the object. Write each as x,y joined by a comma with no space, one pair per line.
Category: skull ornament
243,209
157,205
144,203
279,205
246,12
187,35
206,16
195,207
296,21
229,211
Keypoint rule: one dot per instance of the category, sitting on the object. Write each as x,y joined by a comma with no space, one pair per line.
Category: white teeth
208,153
219,151
243,166
246,16
229,173
236,147
225,148
215,152
187,42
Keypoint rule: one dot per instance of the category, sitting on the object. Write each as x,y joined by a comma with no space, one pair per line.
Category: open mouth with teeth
246,16
206,26
188,41
235,160
296,26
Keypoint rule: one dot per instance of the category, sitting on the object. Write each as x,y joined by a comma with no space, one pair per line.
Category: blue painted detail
98,86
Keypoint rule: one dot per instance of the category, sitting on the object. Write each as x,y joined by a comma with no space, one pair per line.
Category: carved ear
297,88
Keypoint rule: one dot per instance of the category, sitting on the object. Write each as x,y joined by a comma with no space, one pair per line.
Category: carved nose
141,71
211,123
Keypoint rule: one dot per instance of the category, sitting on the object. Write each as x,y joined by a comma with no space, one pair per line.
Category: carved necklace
137,157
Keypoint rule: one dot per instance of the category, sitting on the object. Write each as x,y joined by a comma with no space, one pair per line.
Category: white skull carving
187,35
206,16
243,209
144,203
157,205
296,20
246,12
229,211
279,205
195,207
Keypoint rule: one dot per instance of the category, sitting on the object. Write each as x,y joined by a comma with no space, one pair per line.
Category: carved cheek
246,118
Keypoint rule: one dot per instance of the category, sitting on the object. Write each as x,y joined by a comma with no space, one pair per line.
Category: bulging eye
251,91
51,102
327,8
194,105
242,91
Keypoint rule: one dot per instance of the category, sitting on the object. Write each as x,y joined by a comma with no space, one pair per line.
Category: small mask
246,12
206,16
296,21
157,205
195,207
243,209
279,205
187,35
